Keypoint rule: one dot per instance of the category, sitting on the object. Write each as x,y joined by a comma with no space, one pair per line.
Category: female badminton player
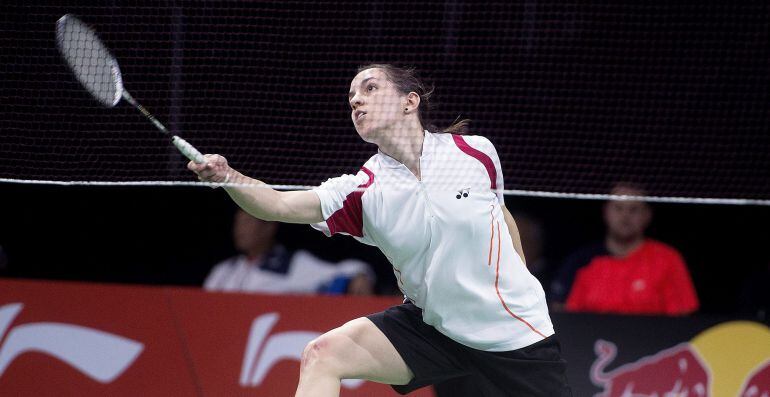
432,202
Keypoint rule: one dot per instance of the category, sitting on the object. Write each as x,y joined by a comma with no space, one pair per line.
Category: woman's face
376,105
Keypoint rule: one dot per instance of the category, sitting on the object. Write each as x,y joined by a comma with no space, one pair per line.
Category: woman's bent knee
359,350
338,351
322,354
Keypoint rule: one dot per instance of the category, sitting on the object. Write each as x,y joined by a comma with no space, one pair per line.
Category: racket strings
89,59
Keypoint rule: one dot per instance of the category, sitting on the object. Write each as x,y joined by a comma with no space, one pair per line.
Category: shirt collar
428,146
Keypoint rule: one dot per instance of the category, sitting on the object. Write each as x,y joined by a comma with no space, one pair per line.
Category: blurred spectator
627,273
266,267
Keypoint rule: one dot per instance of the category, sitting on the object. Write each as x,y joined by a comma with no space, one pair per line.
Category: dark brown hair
406,80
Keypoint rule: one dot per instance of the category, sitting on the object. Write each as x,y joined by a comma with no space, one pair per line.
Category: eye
371,87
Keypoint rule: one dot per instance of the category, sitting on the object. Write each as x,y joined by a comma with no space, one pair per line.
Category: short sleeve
342,205
679,292
218,276
500,185
482,149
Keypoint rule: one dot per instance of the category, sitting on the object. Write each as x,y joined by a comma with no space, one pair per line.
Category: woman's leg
356,350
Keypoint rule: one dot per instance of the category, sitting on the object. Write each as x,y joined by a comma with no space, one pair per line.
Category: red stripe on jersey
349,219
478,155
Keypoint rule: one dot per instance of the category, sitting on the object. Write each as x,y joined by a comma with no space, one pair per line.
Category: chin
366,134
627,236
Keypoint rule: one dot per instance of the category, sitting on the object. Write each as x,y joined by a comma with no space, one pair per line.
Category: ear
412,102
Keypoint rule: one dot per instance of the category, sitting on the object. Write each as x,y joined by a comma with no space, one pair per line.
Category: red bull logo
677,371
730,359
758,385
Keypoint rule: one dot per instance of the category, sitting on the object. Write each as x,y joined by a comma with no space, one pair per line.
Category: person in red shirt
636,274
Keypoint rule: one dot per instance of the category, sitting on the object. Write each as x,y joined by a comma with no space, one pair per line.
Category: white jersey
446,238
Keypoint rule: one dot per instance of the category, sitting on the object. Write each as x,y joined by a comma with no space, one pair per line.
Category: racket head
89,59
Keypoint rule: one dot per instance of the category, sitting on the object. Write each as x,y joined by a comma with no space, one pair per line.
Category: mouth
358,115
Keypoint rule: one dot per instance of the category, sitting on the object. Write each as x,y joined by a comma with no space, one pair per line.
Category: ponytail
458,127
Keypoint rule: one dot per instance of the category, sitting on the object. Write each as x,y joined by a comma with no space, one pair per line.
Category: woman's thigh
359,350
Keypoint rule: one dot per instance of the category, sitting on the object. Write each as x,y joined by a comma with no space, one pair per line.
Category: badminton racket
98,72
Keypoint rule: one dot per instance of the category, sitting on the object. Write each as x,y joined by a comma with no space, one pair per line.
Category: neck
258,250
404,143
622,247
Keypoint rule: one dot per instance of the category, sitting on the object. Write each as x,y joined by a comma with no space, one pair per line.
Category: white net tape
517,193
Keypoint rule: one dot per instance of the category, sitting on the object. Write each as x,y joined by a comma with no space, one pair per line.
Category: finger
195,167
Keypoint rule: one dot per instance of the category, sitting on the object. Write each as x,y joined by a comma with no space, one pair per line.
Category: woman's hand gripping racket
97,70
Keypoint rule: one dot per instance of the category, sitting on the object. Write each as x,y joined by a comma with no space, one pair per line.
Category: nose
356,101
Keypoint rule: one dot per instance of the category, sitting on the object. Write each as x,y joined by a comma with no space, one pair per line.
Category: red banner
85,339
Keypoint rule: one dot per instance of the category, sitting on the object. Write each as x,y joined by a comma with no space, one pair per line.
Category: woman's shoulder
660,248
467,143
362,176
479,142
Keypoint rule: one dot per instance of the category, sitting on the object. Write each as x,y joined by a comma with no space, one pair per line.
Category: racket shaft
145,112
186,148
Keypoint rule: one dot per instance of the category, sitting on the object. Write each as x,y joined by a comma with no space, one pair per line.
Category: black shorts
535,370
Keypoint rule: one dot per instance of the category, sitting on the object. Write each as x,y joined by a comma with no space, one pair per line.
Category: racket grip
188,150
